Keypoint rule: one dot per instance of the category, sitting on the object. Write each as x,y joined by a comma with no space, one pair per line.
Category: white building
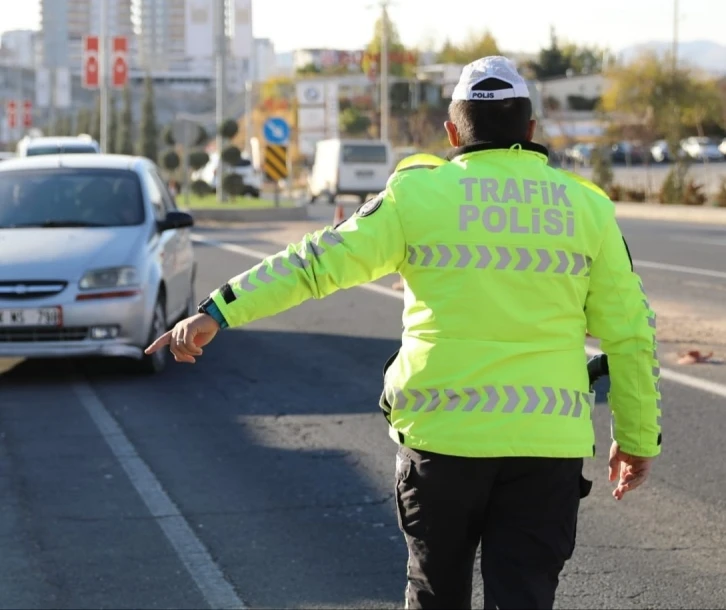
179,36
64,23
20,44
557,93
265,60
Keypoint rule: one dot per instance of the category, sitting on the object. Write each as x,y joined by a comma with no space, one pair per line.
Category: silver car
95,258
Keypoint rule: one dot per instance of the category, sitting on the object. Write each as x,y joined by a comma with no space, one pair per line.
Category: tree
170,161
198,159
149,140
649,93
95,131
703,107
111,146
124,126
83,121
397,56
354,122
233,184
557,61
232,155
229,129
474,47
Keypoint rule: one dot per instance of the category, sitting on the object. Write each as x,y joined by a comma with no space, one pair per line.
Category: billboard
199,28
42,88
63,88
242,39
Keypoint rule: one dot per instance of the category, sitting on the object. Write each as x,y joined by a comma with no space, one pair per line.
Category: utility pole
385,97
103,75
221,47
675,37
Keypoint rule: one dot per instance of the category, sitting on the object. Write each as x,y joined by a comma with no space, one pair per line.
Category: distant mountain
704,54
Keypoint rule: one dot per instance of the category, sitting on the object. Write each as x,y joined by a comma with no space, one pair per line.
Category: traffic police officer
507,263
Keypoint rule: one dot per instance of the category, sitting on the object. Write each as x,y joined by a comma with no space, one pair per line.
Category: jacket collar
481,146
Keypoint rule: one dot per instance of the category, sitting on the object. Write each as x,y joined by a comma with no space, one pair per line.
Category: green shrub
233,184
200,188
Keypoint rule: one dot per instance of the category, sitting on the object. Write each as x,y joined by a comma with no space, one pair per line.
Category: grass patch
210,202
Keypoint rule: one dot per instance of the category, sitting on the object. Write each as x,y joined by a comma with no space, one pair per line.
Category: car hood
65,254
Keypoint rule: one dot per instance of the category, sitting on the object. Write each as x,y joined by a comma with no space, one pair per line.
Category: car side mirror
175,220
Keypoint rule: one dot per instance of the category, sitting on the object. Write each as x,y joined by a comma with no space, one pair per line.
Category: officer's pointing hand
628,470
187,338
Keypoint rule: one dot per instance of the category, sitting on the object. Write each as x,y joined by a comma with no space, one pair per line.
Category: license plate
44,316
364,173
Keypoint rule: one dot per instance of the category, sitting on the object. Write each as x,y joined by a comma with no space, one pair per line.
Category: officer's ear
530,130
453,134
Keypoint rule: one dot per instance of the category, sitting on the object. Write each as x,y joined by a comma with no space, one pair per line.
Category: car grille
42,335
31,289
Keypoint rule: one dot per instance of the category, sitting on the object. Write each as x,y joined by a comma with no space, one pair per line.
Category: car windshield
53,198
364,154
65,149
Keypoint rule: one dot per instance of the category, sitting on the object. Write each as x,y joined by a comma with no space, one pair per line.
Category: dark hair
491,121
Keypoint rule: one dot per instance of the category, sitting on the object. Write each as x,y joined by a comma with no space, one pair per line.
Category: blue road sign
276,131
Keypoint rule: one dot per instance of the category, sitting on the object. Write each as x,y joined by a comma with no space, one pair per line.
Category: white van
350,167
82,144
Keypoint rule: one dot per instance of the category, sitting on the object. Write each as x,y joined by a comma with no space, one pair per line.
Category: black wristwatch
209,308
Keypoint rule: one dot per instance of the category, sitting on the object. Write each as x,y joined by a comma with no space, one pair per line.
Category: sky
518,25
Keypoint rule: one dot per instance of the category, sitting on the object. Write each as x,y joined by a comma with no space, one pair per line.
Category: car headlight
112,277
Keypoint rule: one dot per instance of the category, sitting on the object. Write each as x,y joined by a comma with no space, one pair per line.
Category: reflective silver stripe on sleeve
281,265
506,399
500,258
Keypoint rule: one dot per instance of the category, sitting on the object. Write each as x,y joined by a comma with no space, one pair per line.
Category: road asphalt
262,476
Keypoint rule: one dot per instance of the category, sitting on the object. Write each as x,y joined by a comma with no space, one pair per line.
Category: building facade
64,23
20,46
180,36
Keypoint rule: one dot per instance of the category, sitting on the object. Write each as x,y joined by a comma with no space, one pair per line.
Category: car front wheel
156,362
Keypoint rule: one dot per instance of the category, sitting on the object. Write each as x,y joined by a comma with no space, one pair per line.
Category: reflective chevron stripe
500,258
283,264
495,399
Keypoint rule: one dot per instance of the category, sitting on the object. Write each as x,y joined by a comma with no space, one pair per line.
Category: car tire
191,308
155,363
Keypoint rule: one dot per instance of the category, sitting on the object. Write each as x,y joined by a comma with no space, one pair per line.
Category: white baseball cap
497,67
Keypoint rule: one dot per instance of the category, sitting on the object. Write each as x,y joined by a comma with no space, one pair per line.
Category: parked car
581,154
251,177
722,147
95,258
627,153
83,144
702,149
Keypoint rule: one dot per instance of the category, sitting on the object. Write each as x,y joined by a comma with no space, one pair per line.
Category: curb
672,213
249,214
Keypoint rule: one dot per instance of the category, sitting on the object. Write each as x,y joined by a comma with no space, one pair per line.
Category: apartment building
20,47
64,23
179,36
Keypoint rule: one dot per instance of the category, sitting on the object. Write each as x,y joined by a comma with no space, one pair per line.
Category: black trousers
523,512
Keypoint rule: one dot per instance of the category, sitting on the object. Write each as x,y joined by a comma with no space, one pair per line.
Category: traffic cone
339,215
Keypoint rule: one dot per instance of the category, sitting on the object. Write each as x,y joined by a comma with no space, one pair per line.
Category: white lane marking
711,387
215,589
680,269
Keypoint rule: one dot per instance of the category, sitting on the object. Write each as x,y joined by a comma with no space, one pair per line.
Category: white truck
350,167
